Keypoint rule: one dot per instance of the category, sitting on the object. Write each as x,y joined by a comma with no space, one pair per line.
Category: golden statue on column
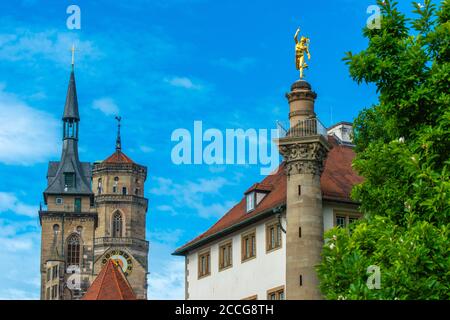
301,47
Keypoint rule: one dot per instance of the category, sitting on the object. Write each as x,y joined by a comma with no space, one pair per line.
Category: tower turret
118,184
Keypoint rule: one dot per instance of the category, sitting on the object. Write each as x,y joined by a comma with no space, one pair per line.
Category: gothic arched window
73,250
117,225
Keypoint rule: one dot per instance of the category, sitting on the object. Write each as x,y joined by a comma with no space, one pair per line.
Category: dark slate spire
69,175
71,106
118,141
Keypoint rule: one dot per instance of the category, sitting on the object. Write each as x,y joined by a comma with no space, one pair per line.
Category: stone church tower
93,214
304,150
121,208
68,223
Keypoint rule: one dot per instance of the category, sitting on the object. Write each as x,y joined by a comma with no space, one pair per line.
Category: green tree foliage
403,153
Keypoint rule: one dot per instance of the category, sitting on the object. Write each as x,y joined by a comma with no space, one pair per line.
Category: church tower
304,149
69,220
118,185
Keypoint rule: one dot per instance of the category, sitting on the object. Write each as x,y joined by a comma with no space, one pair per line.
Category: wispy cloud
167,208
194,195
166,280
146,149
23,44
106,105
19,248
183,82
9,202
27,135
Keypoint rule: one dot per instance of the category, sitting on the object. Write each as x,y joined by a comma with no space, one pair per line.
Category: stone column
304,152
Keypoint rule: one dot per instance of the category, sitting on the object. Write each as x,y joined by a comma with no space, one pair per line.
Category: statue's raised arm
296,35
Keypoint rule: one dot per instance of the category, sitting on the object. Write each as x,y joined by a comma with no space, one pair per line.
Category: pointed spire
118,141
71,106
73,56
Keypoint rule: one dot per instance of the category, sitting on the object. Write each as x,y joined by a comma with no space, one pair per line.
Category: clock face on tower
122,258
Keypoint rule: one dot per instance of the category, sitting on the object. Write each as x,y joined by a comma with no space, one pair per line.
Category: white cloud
9,202
183,82
15,294
14,245
19,270
146,149
170,237
106,105
27,135
23,44
167,208
192,195
168,282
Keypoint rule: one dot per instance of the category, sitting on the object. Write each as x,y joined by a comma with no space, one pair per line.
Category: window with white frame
250,201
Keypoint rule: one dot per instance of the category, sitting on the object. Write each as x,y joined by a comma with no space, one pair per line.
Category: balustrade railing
303,128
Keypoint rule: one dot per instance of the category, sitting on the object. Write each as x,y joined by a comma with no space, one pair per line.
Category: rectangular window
276,293
340,221
248,246
48,294
49,274
204,264
273,236
136,191
69,179
250,201
114,189
59,201
124,191
225,255
344,219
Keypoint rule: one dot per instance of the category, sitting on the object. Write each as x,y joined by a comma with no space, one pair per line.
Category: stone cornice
119,198
304,155
301,95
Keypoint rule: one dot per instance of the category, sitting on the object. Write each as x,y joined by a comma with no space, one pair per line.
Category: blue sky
161,65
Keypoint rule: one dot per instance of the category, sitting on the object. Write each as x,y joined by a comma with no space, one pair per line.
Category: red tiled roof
259,187
336,181
118,157
110,284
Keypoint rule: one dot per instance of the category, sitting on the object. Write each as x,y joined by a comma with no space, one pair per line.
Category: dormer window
250,201
69,179
255,195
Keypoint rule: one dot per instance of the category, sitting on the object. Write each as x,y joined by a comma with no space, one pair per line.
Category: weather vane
301,47
118,140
